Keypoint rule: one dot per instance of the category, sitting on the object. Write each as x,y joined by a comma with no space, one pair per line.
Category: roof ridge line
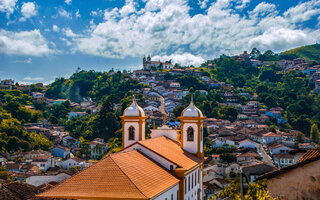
160,154
128,177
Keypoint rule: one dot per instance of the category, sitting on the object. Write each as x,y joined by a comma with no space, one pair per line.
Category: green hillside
309,52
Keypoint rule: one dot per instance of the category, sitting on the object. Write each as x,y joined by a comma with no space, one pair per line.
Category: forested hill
309,52
91,85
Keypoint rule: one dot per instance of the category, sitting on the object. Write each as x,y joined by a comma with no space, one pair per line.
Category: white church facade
148,64
167,166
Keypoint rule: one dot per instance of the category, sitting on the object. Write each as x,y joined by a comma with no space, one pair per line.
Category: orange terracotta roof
271,134
312,153
172,151
124,175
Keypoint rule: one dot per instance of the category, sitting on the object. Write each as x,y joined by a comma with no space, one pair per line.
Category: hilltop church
148,64
168,166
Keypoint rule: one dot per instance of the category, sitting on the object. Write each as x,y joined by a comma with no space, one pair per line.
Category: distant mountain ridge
309,52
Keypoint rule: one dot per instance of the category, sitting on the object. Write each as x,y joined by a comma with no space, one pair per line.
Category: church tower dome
191,110
134,110
133,124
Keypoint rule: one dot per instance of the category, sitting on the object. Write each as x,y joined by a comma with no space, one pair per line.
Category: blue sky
45,39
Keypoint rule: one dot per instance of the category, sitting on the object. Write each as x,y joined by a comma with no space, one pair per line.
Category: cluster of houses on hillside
44,166
308,68
41,166
256,151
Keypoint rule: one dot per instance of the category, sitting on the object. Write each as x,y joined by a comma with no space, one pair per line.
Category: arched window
131,133
190,134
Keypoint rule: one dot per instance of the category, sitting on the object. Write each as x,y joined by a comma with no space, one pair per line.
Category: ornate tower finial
134,98
191,98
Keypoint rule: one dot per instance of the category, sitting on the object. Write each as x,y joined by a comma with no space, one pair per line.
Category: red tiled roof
40,158
79,160
284,155
172,151
123,175
271,134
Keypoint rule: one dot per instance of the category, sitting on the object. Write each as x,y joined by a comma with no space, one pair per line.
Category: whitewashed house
43,162
271,137
247,143
218,142
283,160
279,148
73,162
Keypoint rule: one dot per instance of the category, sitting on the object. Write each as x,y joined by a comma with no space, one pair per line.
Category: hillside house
43,162
60,151
73,162
298,181
271,137
247,143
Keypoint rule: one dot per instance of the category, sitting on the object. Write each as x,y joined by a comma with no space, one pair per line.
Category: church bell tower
133,124
192,129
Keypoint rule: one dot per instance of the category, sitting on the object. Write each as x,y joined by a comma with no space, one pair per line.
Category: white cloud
128,8
78,14
68,2
68,43
95,13
92,24
264,9
33,79
303,11
203,3
165,27
68,32
55,28
24,43
185,59
28,10
7,6
27,61
243,4
63,13
280,39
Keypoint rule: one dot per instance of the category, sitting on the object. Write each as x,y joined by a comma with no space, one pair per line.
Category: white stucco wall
128,142
172,192
45,165
279,150
170,133
190,146
143,130
192,194
67,164
201,139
